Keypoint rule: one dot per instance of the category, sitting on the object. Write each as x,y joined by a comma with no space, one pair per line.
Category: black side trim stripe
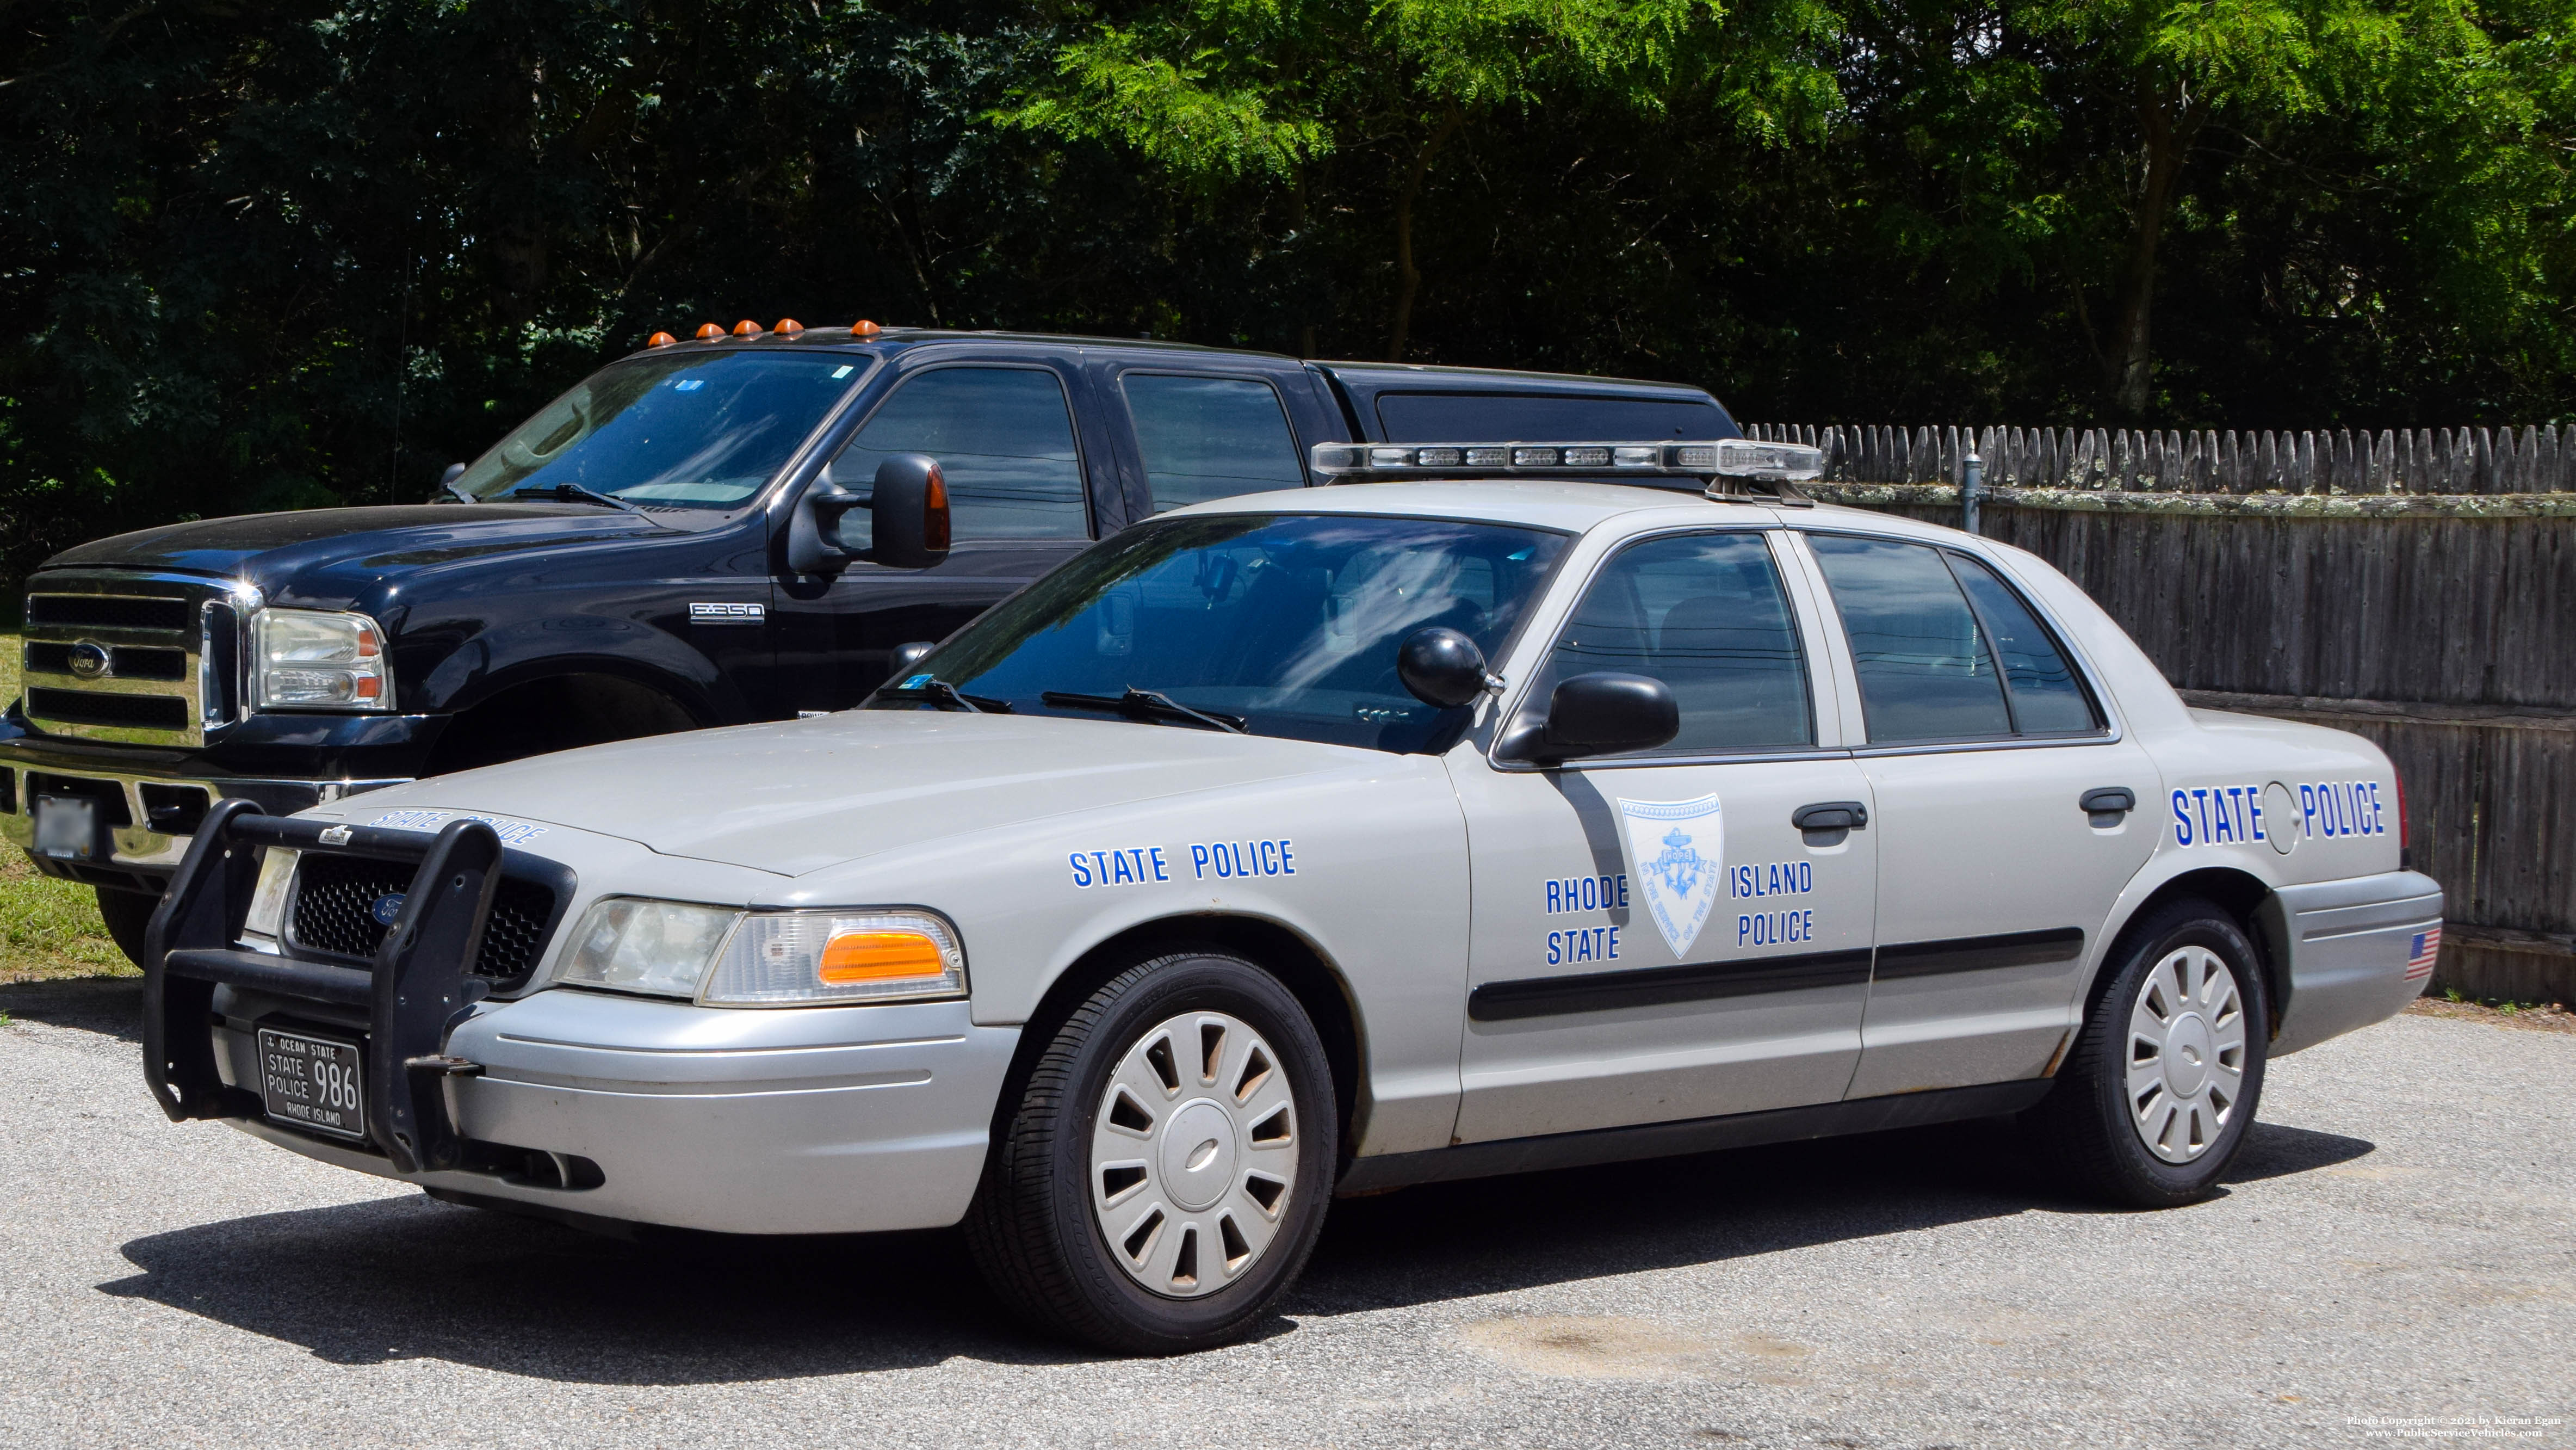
1661,986
1979,953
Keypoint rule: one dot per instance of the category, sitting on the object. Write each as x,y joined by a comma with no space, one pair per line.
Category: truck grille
141,659
335,905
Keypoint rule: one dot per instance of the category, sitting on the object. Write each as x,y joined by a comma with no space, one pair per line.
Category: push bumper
2353,949
794,1120
147,814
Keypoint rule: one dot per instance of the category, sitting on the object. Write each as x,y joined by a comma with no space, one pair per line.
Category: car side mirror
1602,713
910,528
1442,667
905,656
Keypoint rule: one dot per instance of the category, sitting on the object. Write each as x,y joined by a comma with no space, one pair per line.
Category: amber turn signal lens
934,512
788,327
876,956
660,339
708,330
863,328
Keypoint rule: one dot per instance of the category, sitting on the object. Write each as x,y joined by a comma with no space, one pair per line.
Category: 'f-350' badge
1674,851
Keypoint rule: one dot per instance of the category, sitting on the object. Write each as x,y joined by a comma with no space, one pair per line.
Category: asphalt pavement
2393,1261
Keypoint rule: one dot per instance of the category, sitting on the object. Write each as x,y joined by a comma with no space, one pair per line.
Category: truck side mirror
910,508
1441,667
1605,712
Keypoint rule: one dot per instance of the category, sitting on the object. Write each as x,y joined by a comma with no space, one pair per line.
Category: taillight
2399,777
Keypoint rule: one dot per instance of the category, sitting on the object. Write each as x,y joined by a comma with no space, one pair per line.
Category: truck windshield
1286,623
705,430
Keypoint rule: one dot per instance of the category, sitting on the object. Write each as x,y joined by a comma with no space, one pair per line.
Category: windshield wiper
575,493
1145,705
948,694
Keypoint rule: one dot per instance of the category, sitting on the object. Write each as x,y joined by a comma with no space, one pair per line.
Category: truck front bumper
785,1120
147,812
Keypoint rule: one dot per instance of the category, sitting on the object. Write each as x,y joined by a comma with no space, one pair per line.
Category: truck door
1006,433
1653,938
1982,741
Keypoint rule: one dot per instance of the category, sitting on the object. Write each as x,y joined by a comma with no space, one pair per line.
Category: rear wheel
127,914
1164,1173
2155,1099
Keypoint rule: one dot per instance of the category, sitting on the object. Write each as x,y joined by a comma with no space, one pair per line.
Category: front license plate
67,827
312,1082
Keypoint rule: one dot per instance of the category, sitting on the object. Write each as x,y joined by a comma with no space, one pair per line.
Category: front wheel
127,913
1163,1176
2155,1098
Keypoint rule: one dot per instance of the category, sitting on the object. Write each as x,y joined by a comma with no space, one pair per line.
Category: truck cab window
1704,613
1004,439
1207,438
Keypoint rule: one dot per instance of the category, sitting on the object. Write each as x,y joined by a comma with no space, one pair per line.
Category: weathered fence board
2417,587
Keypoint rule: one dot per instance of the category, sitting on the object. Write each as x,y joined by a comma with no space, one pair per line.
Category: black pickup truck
628,561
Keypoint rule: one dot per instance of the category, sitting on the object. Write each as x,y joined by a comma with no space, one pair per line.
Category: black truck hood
337,555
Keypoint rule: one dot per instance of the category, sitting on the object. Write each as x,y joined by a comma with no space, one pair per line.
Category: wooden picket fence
2447,461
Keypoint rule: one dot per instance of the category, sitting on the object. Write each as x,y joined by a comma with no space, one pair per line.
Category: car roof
1570,505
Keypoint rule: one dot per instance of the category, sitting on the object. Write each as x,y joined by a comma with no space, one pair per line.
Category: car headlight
728,958
658,947
267,918
314,659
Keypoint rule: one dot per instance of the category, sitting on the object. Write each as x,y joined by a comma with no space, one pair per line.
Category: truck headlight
312,659
660,948
790,958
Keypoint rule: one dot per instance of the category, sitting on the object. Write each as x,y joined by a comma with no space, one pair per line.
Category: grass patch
50,929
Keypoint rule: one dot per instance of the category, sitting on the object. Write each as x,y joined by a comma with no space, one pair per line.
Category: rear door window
1205,438
1544,418
1932,665
1004,441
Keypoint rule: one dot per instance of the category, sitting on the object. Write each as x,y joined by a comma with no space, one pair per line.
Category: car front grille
136,658
335,905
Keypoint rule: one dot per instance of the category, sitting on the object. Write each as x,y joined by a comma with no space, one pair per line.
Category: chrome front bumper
142,853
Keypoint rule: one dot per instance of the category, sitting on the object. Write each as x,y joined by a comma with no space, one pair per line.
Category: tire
1093,1148
127,914
2161,1087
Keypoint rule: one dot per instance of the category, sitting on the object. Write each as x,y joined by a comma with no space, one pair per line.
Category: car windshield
700,430
1288,623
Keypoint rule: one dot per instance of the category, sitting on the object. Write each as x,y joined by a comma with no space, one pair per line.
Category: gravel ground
2395,1253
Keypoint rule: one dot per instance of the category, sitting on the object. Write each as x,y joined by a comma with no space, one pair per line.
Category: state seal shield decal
1674,851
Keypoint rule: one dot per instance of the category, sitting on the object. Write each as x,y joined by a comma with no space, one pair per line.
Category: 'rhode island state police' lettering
1780,878
2342,808
1583,944
1586,893
1228,859
1125,866
1774,928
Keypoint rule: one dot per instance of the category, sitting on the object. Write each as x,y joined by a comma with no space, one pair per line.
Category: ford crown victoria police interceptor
1294,845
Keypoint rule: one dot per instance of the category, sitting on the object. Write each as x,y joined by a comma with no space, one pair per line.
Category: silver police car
1463,820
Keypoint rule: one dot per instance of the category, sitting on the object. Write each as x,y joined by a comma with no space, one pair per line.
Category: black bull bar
414,993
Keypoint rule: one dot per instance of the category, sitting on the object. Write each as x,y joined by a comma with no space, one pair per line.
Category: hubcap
2186,1054
1193,1154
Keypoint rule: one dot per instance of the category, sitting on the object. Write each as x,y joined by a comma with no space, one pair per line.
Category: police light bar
1722,458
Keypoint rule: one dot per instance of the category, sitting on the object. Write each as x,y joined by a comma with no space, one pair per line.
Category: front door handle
2105,805
1831,816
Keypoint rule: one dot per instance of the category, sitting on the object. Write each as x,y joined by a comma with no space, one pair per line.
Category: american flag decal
2427,947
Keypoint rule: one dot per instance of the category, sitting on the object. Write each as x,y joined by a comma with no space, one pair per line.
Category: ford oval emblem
387,907
89,661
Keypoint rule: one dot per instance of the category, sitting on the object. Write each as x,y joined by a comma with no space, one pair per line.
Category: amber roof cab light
709,332
660,339
788,327
864,328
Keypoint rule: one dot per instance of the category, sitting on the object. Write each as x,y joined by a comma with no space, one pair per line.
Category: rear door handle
2106,804
1831,816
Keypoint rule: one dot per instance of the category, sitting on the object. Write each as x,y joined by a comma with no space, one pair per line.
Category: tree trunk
1408,279
2168,120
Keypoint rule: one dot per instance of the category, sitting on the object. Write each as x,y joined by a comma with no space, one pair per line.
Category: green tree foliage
310,252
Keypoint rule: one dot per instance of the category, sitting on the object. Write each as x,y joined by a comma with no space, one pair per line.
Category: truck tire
127,913
2161,1087
1161,1177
